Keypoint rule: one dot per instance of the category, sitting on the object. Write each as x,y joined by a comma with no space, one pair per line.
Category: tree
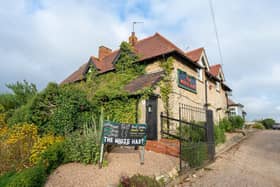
22,93
268,123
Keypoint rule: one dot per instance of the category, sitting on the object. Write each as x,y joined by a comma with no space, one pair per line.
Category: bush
236,121
268,123
29,177
53,157
226,125
5,178
194,153
258,126
139,181
81,148
192,133
219,134
16,143
41,145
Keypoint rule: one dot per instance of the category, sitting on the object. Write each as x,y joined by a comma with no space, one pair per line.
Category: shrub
236,121
16,143
29,177
139,181
5,178
226,125
194,153
268,123
53,157
258,126
41,145
81,148
219,134
192,133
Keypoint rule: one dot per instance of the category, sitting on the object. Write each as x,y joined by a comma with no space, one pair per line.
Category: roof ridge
191,51
158,34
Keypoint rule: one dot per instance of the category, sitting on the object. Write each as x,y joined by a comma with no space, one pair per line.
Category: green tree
22,91
268,123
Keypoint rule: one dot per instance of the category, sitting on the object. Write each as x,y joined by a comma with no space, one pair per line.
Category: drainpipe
206,94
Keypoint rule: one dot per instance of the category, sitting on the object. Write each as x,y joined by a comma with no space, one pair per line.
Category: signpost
123,134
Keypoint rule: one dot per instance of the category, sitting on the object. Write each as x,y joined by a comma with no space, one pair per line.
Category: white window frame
218,85
199,74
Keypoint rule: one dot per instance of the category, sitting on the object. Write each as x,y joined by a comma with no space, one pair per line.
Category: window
218,86
199,74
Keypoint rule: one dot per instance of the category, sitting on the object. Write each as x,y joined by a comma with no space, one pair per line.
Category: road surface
254,162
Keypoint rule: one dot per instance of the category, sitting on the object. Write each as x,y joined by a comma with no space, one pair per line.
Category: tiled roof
215,69
232,103
195,54
77,75
144,81
150,47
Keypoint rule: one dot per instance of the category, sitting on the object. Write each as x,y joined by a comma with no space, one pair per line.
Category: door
151,118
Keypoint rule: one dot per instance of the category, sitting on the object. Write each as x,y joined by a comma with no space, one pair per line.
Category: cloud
46,40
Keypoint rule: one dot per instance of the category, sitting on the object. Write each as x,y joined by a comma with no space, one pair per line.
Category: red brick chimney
103,51
132,39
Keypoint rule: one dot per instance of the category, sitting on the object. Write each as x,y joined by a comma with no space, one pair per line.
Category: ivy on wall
166,83
107,90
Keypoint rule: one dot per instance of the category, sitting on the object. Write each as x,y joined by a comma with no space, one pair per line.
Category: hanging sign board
186,81
124,134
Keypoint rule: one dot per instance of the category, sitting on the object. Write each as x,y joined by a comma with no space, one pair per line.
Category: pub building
194,81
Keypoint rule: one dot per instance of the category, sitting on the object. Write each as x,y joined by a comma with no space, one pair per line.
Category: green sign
186,81
124,134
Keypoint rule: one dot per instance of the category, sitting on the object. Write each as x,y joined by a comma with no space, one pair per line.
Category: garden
40,130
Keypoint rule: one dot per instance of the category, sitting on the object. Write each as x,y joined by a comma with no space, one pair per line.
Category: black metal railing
194,130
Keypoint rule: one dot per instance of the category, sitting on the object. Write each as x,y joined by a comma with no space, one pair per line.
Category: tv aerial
134,23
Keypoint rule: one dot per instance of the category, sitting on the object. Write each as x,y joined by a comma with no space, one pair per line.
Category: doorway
151,117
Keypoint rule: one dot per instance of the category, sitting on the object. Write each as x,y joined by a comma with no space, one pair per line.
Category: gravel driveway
255,162
121,162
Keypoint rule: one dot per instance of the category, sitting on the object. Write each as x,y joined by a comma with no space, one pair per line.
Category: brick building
194,81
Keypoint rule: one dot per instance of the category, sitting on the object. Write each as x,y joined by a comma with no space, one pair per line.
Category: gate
194,129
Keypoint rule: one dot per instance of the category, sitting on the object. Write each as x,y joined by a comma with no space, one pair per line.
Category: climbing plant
166,83
107,90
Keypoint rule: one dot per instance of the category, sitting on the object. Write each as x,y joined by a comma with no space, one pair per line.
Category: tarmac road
254,162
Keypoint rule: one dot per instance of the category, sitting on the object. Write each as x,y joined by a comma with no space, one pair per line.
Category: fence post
210,134
180,140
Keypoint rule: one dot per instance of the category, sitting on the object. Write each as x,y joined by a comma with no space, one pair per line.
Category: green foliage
219,134
258,126
121,110
226,125
22,92
192,133
268,123
56,109
6,178
139,181
29,177
166,83
81,148
237,122
84,146
126,61
194,152
107,90
8,101
53,157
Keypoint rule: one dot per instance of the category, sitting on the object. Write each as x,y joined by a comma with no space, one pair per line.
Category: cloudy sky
46,40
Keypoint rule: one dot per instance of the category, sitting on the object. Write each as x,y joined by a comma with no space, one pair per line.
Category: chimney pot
103,51
132,39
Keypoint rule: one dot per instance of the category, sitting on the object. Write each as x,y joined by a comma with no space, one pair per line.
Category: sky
44,41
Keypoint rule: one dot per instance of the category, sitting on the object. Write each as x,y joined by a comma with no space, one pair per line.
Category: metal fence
194,130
